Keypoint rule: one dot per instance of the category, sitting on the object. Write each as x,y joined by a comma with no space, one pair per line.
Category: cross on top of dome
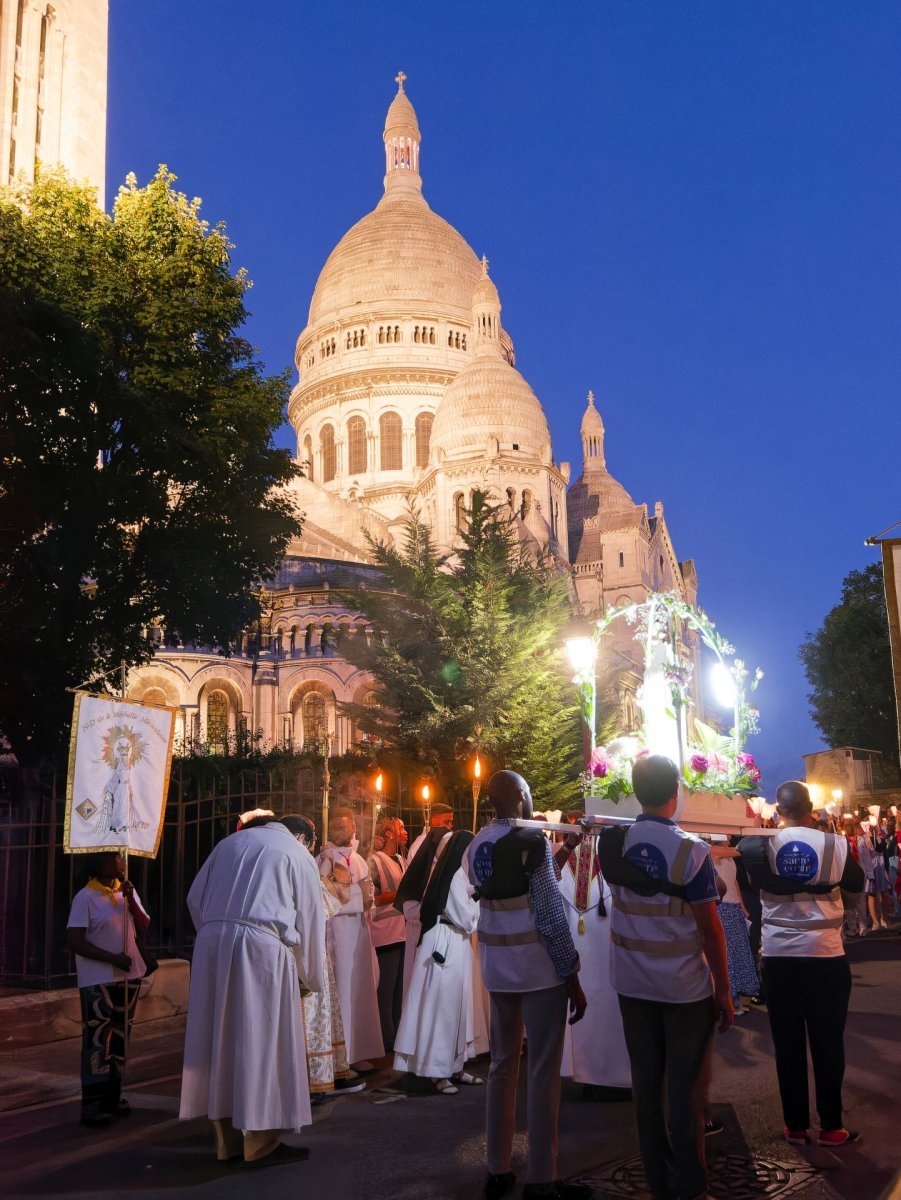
399,80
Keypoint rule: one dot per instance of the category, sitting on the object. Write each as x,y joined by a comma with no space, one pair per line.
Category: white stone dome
401,252
488,400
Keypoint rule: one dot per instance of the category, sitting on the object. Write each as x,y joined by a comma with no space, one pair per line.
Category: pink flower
745,760
699,763
719,764
754,775
599,764
642,754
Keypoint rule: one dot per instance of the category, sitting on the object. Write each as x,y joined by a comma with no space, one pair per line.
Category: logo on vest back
797,860
651,860
482,864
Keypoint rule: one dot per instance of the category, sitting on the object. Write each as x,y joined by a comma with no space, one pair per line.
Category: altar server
594,1052
346,876
437,1031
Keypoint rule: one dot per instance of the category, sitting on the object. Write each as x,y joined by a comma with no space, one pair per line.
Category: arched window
356,446
308,457
391,453
424,424
459,512
154,696
217,721
511,497
381,335
327,450
313,720
416,334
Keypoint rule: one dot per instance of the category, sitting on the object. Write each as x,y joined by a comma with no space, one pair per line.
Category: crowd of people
613,957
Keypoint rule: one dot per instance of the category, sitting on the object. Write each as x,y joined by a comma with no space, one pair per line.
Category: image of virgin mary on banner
120,755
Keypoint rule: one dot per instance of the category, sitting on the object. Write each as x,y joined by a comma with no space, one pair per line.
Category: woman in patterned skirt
733,915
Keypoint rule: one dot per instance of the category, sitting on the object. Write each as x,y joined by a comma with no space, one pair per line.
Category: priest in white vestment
346,875
438,1030
257,906
594,1051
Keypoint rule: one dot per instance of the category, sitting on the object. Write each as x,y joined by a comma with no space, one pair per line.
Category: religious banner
120,755
891,567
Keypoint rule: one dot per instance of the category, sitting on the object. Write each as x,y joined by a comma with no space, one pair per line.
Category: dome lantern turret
592,438
486,315
402,140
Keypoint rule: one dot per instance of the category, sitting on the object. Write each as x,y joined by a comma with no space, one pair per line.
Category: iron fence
38,881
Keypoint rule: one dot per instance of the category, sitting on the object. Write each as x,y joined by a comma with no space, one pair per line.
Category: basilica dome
489,401
400,252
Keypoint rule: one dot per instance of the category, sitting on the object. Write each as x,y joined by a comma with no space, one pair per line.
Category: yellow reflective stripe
674,948
636,908
509,939
802,897
802,925
508,905
828,855
679,869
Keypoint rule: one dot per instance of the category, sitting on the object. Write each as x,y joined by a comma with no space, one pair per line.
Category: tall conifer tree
468,654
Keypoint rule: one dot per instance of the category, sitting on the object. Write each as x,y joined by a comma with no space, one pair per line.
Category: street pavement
399,1141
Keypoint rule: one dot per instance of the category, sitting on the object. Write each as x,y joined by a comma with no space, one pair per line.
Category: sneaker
350,1085
797,1137
837,1137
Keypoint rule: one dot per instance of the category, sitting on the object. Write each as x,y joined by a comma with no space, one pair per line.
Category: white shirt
106,919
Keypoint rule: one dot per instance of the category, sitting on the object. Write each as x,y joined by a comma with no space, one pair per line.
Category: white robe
438,1030
257,907
594,1050
354,960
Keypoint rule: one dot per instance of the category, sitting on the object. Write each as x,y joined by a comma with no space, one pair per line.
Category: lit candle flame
478,770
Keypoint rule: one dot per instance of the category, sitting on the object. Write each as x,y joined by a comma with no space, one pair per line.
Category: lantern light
478,768
722,682
378,782
426,793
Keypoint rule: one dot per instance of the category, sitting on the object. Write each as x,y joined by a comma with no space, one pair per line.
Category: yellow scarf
107,891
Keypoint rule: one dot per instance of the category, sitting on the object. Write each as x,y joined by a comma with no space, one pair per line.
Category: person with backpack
670,970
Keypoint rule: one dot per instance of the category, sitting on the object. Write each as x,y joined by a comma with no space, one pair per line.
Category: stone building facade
408,392
53,69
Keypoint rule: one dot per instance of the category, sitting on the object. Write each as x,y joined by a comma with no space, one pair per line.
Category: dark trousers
103,1044
390,990
669,1051
543,1014
807,999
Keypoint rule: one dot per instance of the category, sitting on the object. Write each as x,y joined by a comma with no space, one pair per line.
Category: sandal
464,1077
445,1087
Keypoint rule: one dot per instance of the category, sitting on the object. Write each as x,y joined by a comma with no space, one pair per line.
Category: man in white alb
346,875
257,906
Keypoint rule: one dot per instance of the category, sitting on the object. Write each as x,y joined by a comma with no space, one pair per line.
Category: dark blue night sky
690,207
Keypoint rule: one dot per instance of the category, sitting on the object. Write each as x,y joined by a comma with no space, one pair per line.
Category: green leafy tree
468,654
139,481
849,668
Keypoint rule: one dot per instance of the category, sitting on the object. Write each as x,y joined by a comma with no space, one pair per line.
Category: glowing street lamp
582,651
476,789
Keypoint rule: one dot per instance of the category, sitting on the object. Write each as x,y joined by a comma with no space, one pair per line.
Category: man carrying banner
101,932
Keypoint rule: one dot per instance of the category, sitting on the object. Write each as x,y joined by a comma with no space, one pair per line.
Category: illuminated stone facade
53,67
407,393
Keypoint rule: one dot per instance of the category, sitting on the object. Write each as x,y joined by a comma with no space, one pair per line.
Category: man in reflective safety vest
531,970
669,968
801,872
